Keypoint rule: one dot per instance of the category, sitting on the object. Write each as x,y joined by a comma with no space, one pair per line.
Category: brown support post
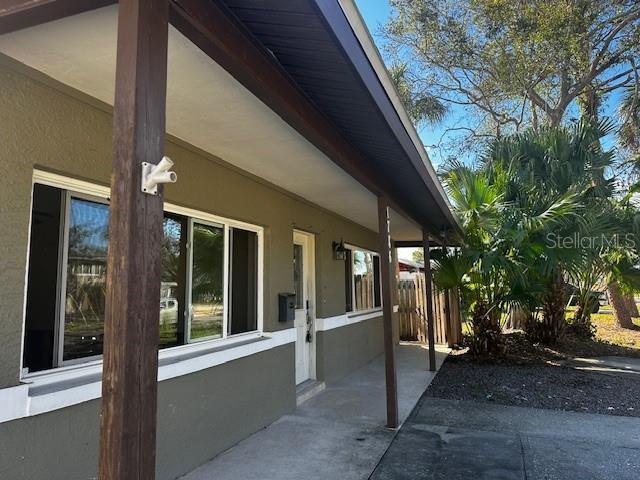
384,245
395,275
129,379
429,301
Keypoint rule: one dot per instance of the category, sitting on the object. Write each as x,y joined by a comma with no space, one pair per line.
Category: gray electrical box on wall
286,307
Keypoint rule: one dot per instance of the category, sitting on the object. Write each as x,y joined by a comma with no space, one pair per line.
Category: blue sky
375,14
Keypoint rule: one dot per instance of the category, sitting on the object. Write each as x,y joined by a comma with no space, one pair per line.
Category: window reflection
207,281
69,241
363,280
86,279
172,286
298,278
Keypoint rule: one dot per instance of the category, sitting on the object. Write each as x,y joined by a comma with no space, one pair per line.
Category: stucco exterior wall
199,416
44,125
342,350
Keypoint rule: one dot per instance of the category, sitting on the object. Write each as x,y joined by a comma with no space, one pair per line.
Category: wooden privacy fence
412,313
364,295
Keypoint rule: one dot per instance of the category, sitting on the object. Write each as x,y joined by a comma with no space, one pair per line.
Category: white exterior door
303,281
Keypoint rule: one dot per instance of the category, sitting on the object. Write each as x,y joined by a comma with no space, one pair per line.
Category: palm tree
557,184
482,269
530,194
421,105
629,131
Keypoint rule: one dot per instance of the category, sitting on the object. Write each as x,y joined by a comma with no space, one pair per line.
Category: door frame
308,241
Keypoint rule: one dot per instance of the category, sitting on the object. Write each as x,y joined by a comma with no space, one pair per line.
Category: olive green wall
199,416
342,350
49,126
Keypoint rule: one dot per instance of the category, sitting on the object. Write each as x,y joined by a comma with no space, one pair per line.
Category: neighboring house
411,266
285,129
408,268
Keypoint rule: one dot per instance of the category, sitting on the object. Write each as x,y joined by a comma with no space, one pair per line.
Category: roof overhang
311,62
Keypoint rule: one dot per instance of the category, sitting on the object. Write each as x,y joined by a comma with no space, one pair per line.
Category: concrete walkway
460,440
610,365
337,434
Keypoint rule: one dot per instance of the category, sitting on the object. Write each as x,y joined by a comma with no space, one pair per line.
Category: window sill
54,389
330,323
361,313
349,318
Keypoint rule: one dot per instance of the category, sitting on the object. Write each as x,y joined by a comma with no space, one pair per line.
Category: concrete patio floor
460,440
337,434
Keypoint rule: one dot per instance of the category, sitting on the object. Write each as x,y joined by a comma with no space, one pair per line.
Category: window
86,278
298,278
243,274
207,277
42,295
210,286
362,280
173,285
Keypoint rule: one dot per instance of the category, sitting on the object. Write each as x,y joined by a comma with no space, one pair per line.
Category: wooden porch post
384,245
129,379
395,294
429,301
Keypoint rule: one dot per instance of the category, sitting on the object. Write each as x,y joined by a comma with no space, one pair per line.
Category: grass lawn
606,331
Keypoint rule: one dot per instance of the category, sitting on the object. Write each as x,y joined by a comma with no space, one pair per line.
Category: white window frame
364,311
98,193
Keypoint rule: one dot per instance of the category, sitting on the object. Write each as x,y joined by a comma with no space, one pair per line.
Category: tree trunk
553,311
619,306
631,303
579,316
554,118
516,318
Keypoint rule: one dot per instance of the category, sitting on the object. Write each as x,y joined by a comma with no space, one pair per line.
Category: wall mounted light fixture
339,252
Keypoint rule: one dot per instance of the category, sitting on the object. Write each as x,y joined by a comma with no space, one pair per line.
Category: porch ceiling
206,107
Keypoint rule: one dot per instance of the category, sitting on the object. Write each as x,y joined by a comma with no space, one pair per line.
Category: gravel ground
537,386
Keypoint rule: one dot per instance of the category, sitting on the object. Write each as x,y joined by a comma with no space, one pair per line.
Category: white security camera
153,175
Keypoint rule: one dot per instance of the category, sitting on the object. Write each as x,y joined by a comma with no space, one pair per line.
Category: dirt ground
537,386
534,376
